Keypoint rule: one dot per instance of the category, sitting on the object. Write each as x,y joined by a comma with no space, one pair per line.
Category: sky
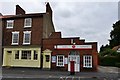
91,20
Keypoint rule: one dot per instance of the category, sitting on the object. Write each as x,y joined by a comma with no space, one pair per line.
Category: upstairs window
15,38
27,37
28,22
10,23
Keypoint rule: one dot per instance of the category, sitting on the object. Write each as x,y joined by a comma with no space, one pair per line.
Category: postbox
72,69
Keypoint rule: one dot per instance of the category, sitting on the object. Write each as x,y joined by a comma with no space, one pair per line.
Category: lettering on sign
73,46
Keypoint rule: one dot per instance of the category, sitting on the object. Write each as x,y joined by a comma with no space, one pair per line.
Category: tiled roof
116,48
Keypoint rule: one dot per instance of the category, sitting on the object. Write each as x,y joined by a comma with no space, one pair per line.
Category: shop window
15,38
10,23
47,58
27,37
17,55
60,60
87,61
28,22
26,55
35,55
9,51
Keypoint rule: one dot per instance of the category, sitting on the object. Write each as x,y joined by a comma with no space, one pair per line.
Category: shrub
108,61
117,65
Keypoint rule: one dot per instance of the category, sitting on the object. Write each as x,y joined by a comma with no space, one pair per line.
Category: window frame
25,22
47,58
26,56
17,54
8,22
27,32
35,57
88,59
16,32
57,64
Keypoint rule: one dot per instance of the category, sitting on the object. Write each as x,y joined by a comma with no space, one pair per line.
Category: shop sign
73,46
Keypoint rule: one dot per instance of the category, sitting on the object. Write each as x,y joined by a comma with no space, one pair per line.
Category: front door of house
76,58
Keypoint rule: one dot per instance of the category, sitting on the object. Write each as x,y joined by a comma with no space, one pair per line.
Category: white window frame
10,22
25,22
16,32
26,54
60,62
86,61
27,32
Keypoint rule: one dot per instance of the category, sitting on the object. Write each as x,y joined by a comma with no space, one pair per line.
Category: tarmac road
104,73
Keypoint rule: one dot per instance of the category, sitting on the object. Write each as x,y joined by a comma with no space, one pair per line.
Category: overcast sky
91,21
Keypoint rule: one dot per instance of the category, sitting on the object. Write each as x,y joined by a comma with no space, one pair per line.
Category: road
104,73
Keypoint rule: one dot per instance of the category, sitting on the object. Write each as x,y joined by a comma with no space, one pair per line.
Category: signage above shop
73,46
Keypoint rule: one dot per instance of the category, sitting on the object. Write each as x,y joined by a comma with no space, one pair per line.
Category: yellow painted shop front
22,57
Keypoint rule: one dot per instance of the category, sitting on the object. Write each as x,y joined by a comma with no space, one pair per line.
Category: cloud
91,21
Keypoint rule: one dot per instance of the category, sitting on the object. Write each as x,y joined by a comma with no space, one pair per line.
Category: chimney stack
48,9
19,10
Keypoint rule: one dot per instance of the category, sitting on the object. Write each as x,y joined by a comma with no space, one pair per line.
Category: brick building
64,50
30,40
22,37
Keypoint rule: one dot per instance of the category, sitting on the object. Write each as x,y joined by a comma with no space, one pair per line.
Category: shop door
76,59
9,58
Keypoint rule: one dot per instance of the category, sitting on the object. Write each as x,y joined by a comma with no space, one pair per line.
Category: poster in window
53,59
66,60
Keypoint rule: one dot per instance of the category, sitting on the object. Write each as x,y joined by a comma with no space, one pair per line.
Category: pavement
104,73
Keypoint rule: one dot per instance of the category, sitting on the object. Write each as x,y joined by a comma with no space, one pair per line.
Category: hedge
108,61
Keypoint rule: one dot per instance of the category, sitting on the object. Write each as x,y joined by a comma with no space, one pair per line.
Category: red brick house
30,40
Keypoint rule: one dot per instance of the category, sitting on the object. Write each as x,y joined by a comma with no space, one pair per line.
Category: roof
20,16
116,48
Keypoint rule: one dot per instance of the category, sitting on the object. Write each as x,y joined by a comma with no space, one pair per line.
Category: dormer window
10,23
28,22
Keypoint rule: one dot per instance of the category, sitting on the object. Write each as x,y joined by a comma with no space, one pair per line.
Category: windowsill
14,44
60,66
9,27
87,67
26,43
27,26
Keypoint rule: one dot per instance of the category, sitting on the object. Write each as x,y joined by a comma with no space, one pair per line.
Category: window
15,38
35,55
60,60
87,61
17,55
9,51
28,22
27,37
47,58
26,55
10,23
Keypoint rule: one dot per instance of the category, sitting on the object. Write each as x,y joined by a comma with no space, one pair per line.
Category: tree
115,35
104,48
